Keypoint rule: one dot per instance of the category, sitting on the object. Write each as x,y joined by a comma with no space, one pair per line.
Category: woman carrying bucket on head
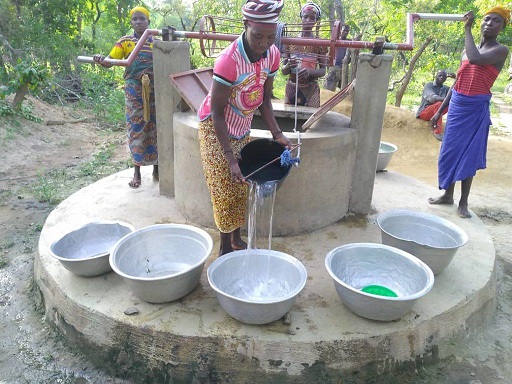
305,64
243,77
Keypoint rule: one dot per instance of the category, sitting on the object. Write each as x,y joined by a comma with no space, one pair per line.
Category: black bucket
256,154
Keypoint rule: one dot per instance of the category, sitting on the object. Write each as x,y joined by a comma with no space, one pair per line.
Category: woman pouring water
243,77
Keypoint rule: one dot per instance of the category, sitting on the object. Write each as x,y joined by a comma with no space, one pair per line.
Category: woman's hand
469,18
99,60
433,121
283,140
304,74
236,173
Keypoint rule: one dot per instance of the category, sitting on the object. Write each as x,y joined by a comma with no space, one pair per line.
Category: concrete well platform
193,340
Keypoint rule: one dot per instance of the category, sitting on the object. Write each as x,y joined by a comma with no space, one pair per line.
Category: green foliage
103,94
29,72
25,112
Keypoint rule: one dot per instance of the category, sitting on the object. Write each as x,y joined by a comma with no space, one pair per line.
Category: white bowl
430,238
359,265
386,151
85,251
162,262
257,286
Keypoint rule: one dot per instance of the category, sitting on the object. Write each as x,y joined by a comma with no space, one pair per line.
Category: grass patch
3,247
55,185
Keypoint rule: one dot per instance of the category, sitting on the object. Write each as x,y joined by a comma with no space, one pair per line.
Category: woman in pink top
464,147
243,77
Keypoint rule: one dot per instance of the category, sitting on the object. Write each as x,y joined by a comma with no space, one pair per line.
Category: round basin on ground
257,286
386,151
163,262
430,238
355,267
85,251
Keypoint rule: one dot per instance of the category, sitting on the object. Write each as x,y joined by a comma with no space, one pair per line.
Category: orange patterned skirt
228,198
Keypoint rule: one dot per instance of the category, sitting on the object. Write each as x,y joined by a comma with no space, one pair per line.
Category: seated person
433,95
304,64
333,79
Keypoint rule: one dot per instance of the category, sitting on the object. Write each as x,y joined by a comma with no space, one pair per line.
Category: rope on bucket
295,122
285,157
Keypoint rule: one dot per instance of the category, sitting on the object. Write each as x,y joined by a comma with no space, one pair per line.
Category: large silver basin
430,238
85,251
257,286
162,262
358,265
386,151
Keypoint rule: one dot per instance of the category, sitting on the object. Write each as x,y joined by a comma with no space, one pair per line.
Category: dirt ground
32,352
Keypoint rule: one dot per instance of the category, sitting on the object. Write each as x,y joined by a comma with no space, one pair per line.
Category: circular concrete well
193,340
314,195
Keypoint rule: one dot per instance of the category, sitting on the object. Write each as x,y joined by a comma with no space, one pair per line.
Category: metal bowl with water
85,251
430,238
162,262
257,286
355,267
386,151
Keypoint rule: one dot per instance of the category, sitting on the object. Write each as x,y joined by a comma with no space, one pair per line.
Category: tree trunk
408,75
19,97
336,11
14,52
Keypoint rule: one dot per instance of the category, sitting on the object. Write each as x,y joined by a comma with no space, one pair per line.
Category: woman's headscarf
310,6
502,11
139,9
262,11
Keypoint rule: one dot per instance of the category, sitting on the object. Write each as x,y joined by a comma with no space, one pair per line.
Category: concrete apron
193,340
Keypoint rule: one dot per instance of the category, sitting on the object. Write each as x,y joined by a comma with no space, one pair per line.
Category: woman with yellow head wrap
502,11
139,94
464,147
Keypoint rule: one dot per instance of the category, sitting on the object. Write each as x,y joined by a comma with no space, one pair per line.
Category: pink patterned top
234,69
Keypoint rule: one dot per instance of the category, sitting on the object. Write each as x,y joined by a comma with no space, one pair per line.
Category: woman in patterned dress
139,82
305,64
243,77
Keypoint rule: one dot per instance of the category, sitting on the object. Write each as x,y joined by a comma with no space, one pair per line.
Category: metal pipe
125,62
202,35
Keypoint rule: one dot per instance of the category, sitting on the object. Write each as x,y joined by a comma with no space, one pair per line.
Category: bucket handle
293,147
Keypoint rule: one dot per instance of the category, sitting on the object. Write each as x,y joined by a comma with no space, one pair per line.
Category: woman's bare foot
238,244
463,212
223,251
135,182
441,200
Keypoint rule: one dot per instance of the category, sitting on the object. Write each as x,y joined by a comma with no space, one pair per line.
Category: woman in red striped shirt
464,147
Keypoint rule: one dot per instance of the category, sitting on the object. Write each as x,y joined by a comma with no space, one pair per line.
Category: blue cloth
464,148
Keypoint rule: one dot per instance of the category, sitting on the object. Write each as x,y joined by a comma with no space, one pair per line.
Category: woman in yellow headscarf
464,147
139,95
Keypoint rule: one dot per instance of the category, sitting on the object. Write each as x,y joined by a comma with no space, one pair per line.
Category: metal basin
85,251
386,151
356,266
162,262
257,286
430,238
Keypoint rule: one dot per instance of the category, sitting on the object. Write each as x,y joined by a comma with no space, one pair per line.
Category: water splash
261,213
